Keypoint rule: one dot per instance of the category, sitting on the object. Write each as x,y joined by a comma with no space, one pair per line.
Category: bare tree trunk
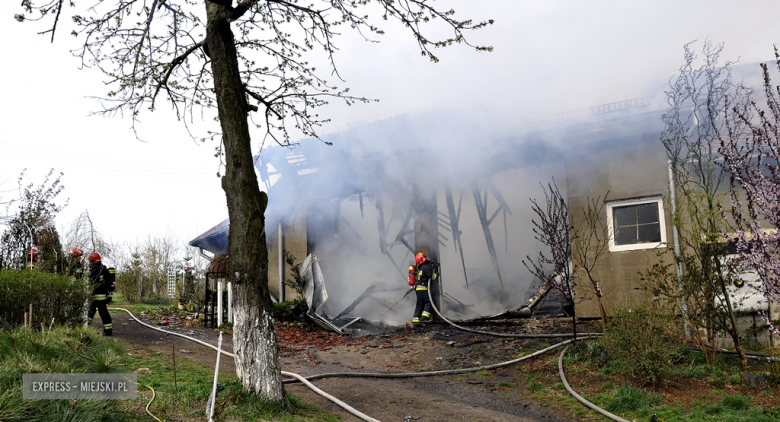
254,337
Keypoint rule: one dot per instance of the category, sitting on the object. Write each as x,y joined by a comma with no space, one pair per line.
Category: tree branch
172,65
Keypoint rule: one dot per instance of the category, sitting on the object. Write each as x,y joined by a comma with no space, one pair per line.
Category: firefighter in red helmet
422,310
76,267
99,279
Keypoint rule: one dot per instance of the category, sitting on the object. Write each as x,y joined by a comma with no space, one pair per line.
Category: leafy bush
290,310
644,342
295,309
52,296
590,351
127,283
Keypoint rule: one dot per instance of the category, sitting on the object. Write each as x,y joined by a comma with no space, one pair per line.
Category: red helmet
76,252
94,257
419,258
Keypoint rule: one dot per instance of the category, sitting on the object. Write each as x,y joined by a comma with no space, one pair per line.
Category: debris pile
294,338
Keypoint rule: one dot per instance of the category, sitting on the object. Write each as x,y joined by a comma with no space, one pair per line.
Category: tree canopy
153,50
239,57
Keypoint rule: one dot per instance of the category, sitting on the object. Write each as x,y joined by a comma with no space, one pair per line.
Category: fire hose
353,411
287,374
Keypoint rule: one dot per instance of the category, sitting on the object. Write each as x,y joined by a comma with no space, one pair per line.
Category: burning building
457,187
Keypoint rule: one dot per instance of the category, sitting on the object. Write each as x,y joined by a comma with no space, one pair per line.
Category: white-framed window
636,224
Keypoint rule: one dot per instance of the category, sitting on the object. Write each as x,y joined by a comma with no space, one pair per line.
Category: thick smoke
358,197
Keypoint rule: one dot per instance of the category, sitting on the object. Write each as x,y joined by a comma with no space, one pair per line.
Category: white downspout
676,240
230,302
220,286
281,265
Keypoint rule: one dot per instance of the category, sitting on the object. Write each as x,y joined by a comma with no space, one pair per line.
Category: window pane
625,235
637,223
647,213
649,233
624,216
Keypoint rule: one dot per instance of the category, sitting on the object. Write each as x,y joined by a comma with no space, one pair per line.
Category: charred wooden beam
366,293
454,229
457,306
402,233
481,205
504,207
383,232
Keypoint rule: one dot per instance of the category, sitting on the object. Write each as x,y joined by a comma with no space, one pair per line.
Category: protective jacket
425,274
76,270
98,278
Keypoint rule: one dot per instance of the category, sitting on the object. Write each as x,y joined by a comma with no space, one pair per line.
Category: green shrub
643,342
298,306
52,296
127,283
590,351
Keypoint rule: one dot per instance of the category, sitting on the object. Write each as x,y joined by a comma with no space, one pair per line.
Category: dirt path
484,396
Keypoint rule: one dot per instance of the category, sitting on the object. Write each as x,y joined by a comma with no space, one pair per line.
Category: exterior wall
634,167
294,241
774,314
752,331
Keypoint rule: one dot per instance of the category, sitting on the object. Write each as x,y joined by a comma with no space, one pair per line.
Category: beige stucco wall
634,168
293,240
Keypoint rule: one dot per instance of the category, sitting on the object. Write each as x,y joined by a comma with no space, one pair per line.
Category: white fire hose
353,411
287,374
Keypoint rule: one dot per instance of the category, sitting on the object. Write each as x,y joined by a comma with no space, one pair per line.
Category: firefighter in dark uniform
98,278
425,273
76,268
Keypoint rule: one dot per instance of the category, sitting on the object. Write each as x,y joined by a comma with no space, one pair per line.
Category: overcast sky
550,56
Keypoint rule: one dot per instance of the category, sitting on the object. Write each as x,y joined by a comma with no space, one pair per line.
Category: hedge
53,297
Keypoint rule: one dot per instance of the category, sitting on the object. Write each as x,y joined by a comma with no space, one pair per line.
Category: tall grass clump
630,399
58,350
